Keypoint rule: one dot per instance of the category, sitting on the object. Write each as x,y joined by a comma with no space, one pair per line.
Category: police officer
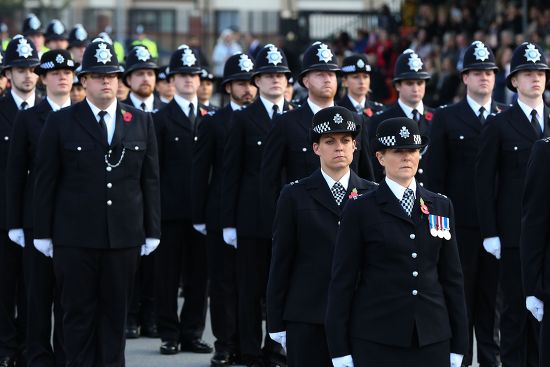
410,78
206,88
78,93
506,142
356,79
3,79
240,212
19,61
32,29
56,35
396,294
164,88
56,71
304,234
78,40
207,194
534,246
183,250
97,208
454,137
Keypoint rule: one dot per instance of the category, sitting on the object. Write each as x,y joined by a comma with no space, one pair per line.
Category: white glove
345,361
535,306
456,360
200,228
44,245
492,246
279,337
18,236
230,236
150,245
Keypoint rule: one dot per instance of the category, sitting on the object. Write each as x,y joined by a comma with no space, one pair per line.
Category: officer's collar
476,106
148,101
355,103
18,100
408,109
316,108
55,106
527,109
399,190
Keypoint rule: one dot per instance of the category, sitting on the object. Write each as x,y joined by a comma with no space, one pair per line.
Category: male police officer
32,28
19,61
78,40
183,250
97,200
409,79
164,88
56,71
207,196
454,137
506,142
356,79
206,89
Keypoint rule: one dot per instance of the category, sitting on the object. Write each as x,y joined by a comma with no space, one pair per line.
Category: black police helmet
409,66
55,31
99,57
478,57
138,58
32,25
78,37
318,57
184,61
527,56
21,52
270,59
237,67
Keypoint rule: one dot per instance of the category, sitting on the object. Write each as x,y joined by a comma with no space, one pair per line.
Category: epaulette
492,114
378,104
379,112
440,194
294,182
443,106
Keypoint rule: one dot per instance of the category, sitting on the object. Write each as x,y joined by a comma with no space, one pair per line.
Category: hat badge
59,59
404,132
80,33
1,58
274,56
415,63
142,53
360,64
532,54
338,119
245,63
24,49
324,53
481,52
103,54
188,58
58,27
34,23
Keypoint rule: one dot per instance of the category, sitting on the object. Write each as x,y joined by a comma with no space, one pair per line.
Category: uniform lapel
119,126
260,116
85,117
320,192
520,123
178,116
10,109
389,202
354,183
42,110
306,115
468,115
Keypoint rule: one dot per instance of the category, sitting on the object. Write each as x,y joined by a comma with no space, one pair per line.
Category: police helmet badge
481,52
34,22
245,63
188,58
103,54
24,49
80,33
415,63
324,53
57,27
532,54
273,55
142,53
59,59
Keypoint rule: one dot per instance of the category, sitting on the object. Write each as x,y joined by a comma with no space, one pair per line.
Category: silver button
108,169
420,170
421,183
259,142
412,236
79,148
515,148
420,157
338,222
461,137
136,147
414,255
109,185
109,202
195,138
176,139
415,274
304,149
414,292
6,138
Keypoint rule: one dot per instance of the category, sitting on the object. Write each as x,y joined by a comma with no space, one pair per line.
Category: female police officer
396,295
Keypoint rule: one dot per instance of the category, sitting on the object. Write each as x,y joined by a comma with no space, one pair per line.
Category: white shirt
110,119
527,111
18,100
409,110
55,106
476,106
355,103
148,102
344,181
234,106
269,105
165,100
184,104
399,190
315,108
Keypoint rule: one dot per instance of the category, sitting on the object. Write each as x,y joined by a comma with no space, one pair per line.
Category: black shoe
169,347
7,362
132,332
149,330
195,346
223,359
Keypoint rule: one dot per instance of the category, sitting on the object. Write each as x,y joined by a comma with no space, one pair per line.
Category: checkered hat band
351,126
322,128
388,141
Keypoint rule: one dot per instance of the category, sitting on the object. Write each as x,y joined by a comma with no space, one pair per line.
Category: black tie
191,116
275,111
535,123
23,105
481,115
142,105
416,115
103,125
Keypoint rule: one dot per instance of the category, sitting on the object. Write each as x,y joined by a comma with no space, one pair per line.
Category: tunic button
136,147
461,137
338,222
412,236
109,185
196,138
415,274
176,139
6,138
414,292
304,149
421,183
414,255
108,169
109,202
259,142
515,148
79,148
420,170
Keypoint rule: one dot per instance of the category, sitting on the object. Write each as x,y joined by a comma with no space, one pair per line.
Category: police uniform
183,250
506,142
42,291
304,234
288,151
354,64
407,67
534,245
97,200
396,293
455,140
20,53
206,188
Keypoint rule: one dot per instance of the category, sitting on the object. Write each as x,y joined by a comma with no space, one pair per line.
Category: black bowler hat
237,67
138,58
206,75
334,119
32,25
55,60
99,57
409,66
184,61
55,31
356,63
21,52
527,56
78,37
270,59
478,57
318,57
399,133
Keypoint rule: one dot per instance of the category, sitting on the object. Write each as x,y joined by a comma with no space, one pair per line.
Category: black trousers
12,298
95,291
43,295
182,251
142,306
306,345
481,272
222,272
518,329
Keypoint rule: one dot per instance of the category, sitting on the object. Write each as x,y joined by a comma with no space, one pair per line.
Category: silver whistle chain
108,155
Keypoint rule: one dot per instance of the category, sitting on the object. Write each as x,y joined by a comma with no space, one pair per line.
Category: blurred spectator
226,47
